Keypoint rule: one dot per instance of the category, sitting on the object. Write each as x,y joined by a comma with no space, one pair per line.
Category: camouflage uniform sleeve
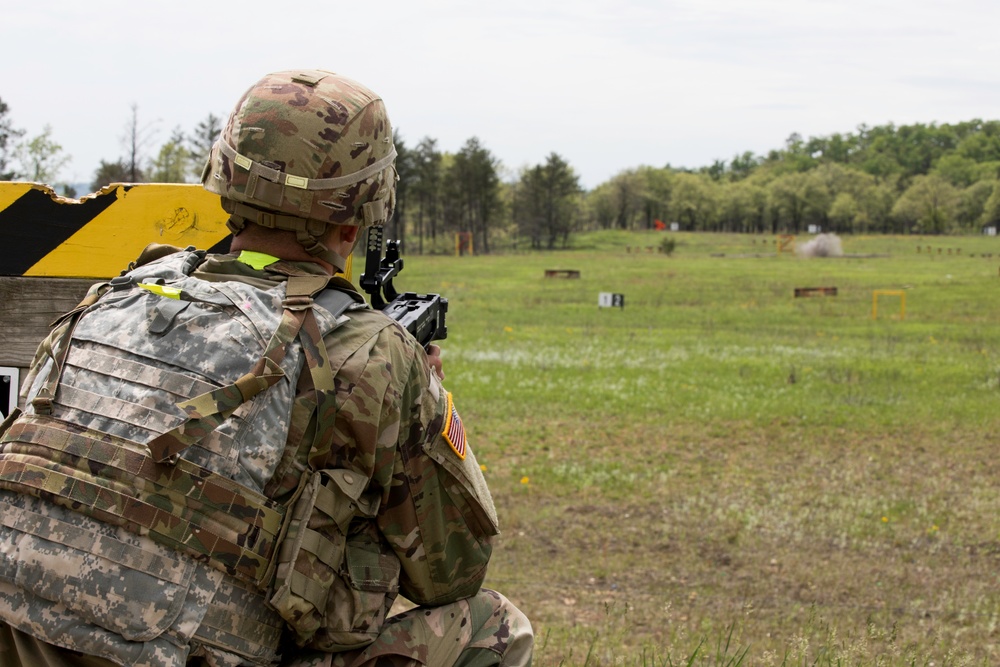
437,514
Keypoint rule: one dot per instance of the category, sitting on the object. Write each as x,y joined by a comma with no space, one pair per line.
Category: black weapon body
423,315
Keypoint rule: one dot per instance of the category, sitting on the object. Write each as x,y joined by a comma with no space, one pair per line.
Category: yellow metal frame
889,292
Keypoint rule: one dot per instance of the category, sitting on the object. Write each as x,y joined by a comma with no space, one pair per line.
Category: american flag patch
454,432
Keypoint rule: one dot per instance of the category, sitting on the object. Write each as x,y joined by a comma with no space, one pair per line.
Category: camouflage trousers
19,649
478,632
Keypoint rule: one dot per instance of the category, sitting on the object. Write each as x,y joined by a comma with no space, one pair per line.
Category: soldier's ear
349,233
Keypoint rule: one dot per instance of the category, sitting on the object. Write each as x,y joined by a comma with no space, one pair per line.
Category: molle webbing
150,489
207,411
205,515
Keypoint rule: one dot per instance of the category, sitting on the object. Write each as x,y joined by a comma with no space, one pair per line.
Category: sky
608,85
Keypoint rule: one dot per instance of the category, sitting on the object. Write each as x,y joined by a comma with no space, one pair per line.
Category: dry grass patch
863,548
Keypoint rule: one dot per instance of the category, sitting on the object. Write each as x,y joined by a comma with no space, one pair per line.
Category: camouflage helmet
304,149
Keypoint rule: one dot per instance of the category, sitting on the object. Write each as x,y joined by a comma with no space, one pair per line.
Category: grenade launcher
421,314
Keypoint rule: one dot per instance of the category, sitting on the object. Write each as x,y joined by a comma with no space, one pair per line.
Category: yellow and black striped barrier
53,248
43,234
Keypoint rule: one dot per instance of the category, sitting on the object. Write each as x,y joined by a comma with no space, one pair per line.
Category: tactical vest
163,407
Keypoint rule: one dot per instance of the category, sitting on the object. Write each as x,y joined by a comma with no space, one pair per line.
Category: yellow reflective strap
162,290
257,260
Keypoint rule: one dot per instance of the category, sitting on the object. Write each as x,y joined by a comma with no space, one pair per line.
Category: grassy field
720,473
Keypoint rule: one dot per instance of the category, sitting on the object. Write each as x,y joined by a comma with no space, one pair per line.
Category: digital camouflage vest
163,407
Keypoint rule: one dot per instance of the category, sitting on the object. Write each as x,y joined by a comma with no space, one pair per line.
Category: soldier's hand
434,360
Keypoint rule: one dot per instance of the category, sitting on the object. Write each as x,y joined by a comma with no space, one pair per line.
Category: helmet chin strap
316,248
307,232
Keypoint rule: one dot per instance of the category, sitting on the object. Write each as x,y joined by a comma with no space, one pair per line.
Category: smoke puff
822,245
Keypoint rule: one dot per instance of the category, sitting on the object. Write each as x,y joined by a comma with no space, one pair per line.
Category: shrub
668,245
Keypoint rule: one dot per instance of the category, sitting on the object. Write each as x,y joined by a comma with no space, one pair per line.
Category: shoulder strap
56,347
334,301
153,252
320,369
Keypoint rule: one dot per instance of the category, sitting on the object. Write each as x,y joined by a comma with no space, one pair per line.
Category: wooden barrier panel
562,273
27,308
815,291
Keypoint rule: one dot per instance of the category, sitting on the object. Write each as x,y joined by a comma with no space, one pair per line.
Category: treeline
921,178
42,159
440,195
927,179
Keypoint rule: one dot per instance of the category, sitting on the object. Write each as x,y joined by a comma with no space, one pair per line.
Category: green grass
720,473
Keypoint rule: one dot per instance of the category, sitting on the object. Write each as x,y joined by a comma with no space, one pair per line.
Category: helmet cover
304,149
